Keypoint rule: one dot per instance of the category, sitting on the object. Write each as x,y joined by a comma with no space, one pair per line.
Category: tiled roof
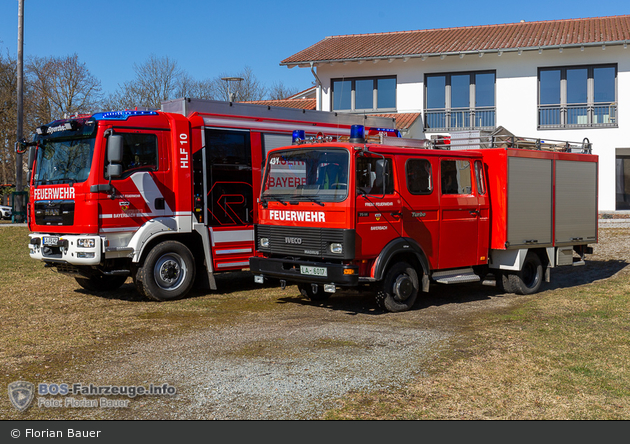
288,103
403,120
511,36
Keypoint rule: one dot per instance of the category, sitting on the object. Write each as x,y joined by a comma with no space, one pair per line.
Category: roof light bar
122,115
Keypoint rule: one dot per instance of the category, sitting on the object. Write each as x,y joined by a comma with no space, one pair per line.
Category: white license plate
313,271
52,241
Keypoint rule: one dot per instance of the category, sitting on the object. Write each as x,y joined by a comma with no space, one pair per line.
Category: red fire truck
400,215
158,195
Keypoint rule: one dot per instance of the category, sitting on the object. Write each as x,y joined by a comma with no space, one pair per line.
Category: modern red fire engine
160,196
399,215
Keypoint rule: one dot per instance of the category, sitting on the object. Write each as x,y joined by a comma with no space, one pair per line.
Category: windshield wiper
274,198
311,198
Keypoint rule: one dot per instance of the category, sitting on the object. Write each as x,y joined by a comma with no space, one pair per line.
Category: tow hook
283,284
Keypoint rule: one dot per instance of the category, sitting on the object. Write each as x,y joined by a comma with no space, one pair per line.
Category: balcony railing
456,119
577,115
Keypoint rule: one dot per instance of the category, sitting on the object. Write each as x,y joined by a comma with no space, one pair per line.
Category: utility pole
19,201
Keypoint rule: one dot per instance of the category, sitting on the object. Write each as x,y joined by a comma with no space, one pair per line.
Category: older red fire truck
400,215
158,195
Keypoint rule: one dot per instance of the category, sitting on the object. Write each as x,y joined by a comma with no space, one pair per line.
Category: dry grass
49,322
563,354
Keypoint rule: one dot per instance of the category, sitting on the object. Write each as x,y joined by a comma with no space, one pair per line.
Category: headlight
264,242
336,248
85,243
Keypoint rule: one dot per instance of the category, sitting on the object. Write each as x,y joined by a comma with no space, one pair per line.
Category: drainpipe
319,85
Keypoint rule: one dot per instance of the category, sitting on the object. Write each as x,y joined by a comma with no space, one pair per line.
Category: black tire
399,289
168,272
529,279
306,290
101,282
503,282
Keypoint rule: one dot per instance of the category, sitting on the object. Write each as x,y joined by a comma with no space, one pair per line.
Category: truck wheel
399,289
168,272
503,282
101,282
529,279
306,290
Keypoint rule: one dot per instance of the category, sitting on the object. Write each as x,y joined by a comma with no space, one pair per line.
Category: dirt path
295,361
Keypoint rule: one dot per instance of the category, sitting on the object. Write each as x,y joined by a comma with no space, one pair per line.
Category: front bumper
66,249
291,270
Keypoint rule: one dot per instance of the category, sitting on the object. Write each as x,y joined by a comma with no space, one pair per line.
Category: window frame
469,114
430,176
353,96
565,111
143,168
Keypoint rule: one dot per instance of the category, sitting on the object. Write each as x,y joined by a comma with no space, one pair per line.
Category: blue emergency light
357,134
298,137
122,115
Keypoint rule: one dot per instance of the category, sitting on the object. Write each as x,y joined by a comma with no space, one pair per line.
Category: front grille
54,212
306,241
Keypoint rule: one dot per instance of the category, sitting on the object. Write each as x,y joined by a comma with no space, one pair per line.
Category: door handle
397,214
476,212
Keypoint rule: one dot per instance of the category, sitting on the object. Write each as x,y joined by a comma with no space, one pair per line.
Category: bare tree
245,90
8,116
199,89
8,113
157,79
63,86
280,92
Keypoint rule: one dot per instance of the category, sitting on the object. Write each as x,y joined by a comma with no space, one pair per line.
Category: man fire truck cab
401,214
161,196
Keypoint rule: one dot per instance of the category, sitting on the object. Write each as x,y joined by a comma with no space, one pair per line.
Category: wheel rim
170,271
530,275
403,288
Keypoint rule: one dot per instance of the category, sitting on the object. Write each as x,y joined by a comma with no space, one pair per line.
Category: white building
560,80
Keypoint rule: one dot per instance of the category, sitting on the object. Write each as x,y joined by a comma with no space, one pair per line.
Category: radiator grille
305,241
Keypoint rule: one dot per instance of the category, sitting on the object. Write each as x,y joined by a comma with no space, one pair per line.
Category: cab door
140,192
459,214
379,208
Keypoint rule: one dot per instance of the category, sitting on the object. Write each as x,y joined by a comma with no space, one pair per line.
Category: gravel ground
295,362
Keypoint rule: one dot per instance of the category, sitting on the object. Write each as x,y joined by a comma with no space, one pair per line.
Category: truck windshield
61,161
317,175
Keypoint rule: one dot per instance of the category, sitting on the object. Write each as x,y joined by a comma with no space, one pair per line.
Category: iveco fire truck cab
340,215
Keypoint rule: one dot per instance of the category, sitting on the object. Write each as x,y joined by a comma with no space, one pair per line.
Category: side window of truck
481,183
372,173
456,177
140,153
419,176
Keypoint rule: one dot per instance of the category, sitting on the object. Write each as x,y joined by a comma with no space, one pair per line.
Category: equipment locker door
229,197
459,218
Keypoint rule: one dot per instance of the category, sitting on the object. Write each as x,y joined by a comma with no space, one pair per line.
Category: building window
623,182
580,96
364,94
459,101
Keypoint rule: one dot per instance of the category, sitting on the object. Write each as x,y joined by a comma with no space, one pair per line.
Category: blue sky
211,38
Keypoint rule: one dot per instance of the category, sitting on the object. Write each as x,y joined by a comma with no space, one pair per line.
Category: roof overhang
461,54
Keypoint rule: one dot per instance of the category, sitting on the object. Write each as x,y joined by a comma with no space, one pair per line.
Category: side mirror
115,148
21,146
114,170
